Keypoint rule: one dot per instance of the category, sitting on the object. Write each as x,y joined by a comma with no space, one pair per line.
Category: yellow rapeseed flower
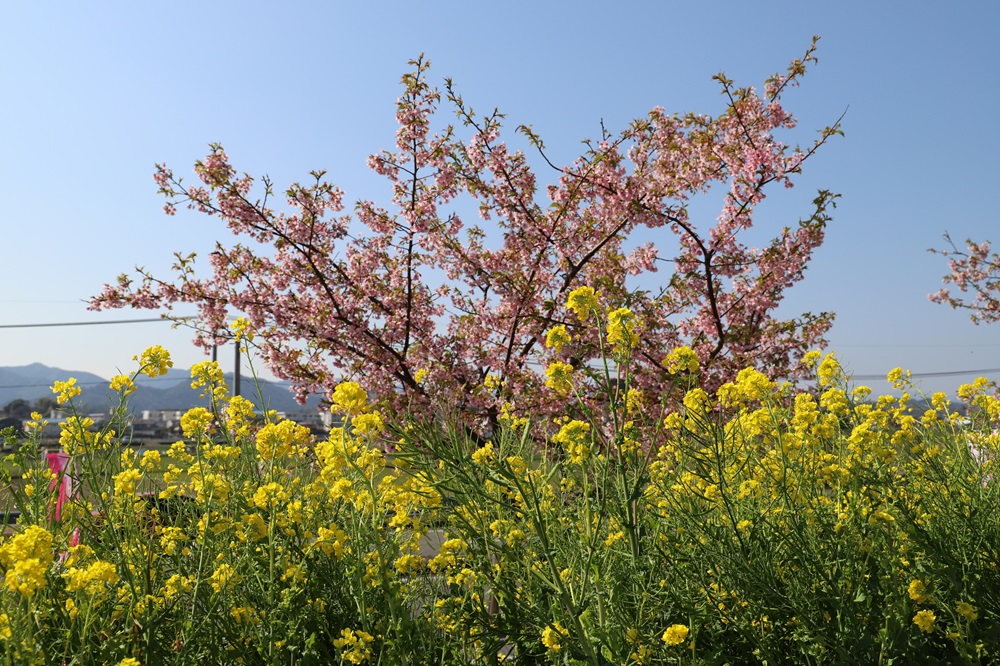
860,393
673,421
696,400
574,436
552,635
66,391
349,398
123,384
284,439
196,422
621,330
223,578
557,337
559,377
492,383
811,359
829,370
177,584
750,385
634,399
675,634
918,591
208,375
239,413
150,459
332,541
899,378
27,558
91,579
582,301
484,455
969,392
681,359
126,482
155,361
966,610
925,620
75,436
355,645
269,496
367,425
447,556
242,329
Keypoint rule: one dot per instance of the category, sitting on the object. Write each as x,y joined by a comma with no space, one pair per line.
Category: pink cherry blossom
975,272
406,286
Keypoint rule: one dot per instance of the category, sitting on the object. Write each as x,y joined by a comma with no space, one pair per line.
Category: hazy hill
31,382
171,391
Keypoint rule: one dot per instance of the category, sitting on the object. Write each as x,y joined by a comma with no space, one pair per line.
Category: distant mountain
31,382
171,391
174,377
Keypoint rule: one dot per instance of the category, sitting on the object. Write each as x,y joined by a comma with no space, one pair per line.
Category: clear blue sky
95,93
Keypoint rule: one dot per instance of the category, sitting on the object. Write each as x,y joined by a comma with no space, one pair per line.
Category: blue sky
96,93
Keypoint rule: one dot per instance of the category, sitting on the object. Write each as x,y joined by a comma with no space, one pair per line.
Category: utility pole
236,369
236,365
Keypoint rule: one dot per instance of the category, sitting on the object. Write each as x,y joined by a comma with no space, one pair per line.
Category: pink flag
58,463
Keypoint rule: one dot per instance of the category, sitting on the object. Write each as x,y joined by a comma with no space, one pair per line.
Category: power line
142,382
88,323
924,375
915,375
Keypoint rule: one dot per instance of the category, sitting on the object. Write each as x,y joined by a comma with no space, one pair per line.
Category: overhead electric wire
88,323
868,377
141,382
924,375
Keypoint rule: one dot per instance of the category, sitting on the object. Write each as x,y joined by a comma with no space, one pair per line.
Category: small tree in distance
334,295
975,271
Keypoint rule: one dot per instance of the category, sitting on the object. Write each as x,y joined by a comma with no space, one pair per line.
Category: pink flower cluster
975,271
411,288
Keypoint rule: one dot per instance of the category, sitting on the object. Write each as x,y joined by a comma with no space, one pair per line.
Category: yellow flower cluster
917,591
552,636
223,577
451,549
925,620
242,329
557,338
751,385
93,579
260,520
367,425
559,377
621,330
66,391
208,376
77,438
284,439
680,360
349,399
575,439
196,423
355,645
123,384
154,362
675,634
27,558
583,301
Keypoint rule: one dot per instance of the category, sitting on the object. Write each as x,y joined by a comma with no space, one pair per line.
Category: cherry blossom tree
975,271
334,294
